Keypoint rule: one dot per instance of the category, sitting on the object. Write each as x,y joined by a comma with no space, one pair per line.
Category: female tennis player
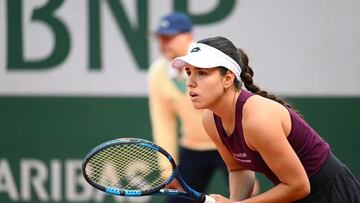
257,131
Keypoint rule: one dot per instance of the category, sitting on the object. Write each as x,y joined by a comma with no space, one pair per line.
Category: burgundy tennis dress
326,173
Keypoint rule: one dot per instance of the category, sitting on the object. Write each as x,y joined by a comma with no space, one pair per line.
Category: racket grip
209,199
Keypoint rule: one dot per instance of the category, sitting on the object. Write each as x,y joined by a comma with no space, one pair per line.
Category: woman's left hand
220,198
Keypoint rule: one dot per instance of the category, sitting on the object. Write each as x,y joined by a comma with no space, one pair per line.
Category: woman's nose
190,82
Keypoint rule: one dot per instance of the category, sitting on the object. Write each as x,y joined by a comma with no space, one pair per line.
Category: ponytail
247,75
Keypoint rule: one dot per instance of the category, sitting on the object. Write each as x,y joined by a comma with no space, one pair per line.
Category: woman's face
205,86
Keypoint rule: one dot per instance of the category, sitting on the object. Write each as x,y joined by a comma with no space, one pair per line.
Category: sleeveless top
311,149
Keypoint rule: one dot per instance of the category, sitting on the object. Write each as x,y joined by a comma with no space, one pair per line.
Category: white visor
205,56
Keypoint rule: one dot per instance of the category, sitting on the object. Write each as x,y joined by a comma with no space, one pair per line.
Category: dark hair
228,48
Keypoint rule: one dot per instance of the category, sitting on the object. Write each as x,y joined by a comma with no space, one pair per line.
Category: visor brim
196,61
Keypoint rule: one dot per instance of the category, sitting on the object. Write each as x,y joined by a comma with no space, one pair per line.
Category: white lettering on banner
44,181
7,183
37,181
55,166
74,180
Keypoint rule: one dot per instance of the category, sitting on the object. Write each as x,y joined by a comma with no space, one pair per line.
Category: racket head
129,167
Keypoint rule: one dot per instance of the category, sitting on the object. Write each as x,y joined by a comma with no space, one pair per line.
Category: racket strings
129,167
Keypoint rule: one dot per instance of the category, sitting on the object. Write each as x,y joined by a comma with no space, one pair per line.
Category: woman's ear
228,79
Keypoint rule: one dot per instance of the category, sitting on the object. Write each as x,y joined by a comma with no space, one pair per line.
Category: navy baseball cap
174,23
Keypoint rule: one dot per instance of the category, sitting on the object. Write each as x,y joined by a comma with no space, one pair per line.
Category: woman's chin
196,105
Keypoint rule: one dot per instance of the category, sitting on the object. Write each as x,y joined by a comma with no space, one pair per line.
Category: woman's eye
202,73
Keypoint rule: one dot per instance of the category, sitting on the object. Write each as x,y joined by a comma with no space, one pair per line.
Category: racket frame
189,193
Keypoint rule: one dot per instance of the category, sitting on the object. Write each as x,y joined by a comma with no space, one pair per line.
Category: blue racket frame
189,193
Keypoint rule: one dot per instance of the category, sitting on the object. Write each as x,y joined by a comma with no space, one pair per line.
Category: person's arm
163,119
241,184
241,181
264,131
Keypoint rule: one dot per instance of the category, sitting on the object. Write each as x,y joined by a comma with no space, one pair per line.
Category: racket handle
209,199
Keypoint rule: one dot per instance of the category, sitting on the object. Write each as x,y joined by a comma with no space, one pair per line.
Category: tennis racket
135,167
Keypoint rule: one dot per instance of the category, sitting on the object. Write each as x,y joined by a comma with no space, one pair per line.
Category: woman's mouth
193,96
